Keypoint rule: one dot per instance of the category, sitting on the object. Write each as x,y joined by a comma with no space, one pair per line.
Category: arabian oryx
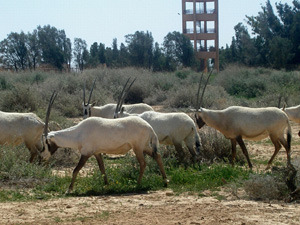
96,135
171,128
18,128
107,111
237,123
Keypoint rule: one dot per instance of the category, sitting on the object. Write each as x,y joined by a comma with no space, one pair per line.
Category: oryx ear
93,104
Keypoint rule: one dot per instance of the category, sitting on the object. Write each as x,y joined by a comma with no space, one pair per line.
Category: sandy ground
161,207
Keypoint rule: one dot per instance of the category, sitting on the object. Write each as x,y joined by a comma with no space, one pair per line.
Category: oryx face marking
86,110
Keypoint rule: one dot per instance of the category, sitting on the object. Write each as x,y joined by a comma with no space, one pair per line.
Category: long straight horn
53,96
198,92
84,93
125,94
120,96
92,91
201,99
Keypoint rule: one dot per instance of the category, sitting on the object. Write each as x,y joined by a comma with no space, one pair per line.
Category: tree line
274,43
48,46
275,40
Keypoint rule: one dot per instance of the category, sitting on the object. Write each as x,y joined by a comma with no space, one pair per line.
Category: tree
290,17
102,53
123,59
34,52
140,48
52,43
115,51
158,59
273,33
108,57
81,53
67,52
14,51
178,49
245,50
276,39
280,52
94,52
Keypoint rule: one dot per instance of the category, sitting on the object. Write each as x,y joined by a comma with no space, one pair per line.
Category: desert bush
265,187
181,98
243,83
21,98
65,157
275,184
156,98
260,87
14,165
216,148
68,105
135,95
216,97
182,74
253,87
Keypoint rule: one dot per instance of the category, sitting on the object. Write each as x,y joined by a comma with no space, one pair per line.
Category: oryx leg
158,159
80,164
39,148
233,151
101,166
141,159
179,150
244,149
277,146
190,141
287,147
33,151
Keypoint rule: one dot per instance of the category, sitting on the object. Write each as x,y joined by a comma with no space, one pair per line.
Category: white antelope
18,128
171,128
107,111
237,123
95,135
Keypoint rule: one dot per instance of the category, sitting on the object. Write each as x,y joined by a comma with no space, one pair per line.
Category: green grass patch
205,177
122,175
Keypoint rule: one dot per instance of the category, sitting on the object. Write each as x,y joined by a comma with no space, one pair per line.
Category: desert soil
161,207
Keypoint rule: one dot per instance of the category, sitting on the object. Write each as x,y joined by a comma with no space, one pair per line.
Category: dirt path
161,207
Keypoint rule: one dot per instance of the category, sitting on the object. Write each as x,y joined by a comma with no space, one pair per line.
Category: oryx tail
154,142
289,136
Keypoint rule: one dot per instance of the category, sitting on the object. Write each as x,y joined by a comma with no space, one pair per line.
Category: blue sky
104,20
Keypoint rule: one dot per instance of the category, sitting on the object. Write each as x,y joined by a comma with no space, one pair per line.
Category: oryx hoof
166,182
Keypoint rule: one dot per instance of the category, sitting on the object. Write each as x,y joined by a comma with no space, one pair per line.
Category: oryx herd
118,128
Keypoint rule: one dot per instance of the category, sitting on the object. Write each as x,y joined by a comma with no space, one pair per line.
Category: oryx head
87,106
198,112
48,147
199,119
119,108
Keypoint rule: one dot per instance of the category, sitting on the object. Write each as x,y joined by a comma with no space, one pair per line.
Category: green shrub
4,84
21,98
181,98
14,166
182,74
205,177
135,95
